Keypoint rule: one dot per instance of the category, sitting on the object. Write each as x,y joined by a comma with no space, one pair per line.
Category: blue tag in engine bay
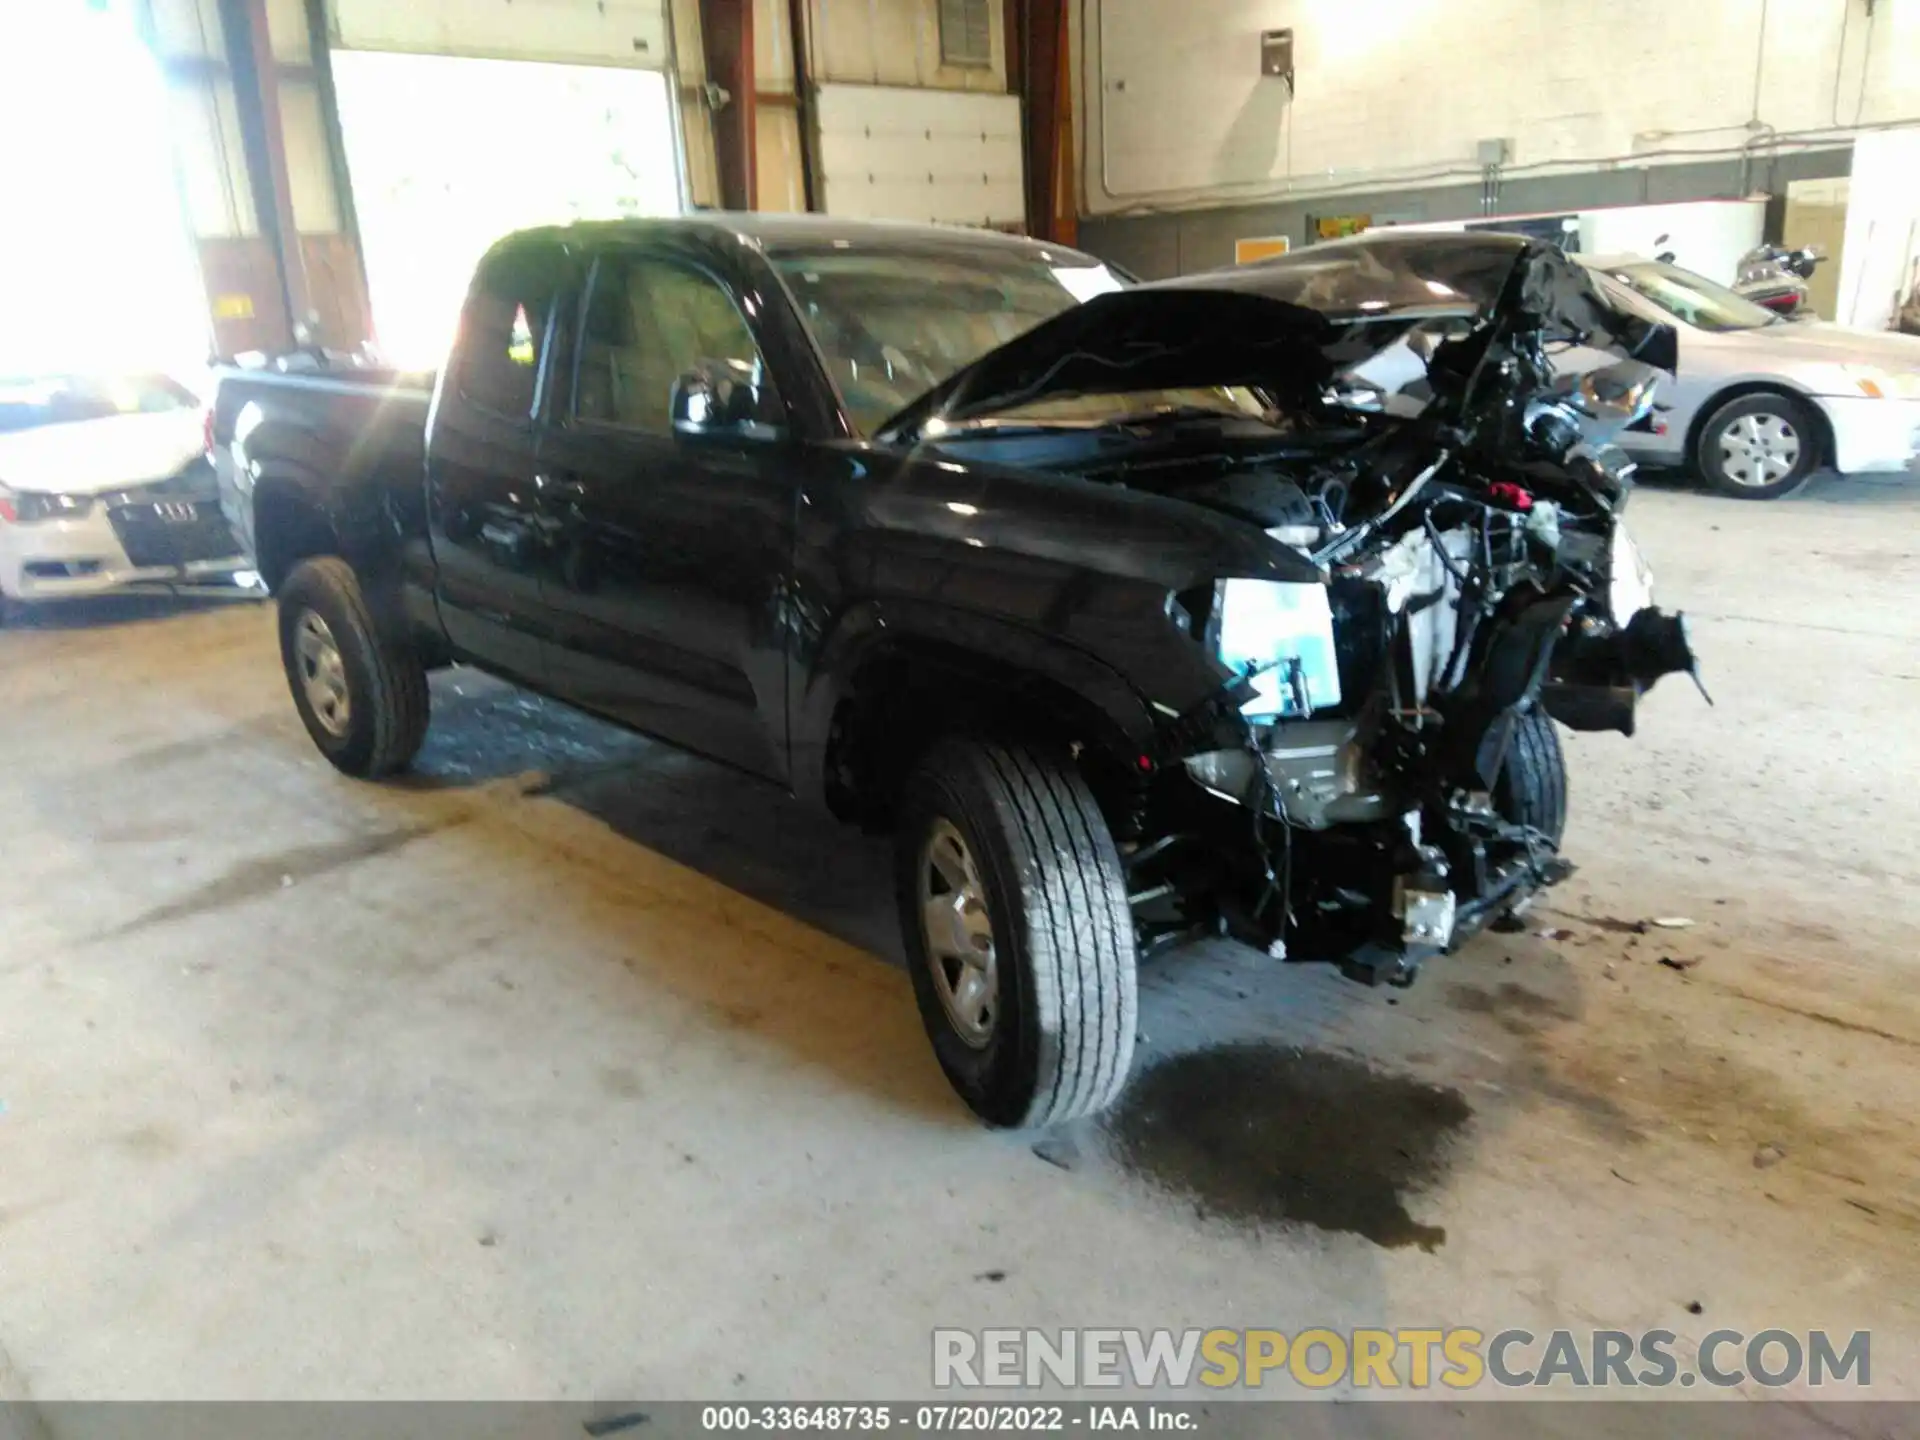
1284,631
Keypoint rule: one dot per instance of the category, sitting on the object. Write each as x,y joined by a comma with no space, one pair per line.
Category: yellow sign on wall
1338,227
233,307
1263,247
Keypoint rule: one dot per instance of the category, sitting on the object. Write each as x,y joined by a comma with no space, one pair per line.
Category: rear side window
504,332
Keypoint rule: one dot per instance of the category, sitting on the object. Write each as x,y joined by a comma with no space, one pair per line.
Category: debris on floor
1058,1151
1769,1155
614,1424
1672,922
1674,962
1613,924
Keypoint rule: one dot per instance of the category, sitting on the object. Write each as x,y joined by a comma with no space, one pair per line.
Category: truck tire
361,694
1018,932
1759,447
1532,789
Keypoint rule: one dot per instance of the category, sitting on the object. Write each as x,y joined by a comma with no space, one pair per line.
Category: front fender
870,628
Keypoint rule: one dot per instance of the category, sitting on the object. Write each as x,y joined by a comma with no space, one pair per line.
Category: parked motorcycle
1776,278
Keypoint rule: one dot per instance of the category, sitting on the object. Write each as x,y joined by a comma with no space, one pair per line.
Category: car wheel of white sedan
1759,447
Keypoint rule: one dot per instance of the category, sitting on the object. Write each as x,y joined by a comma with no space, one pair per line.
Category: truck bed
351,426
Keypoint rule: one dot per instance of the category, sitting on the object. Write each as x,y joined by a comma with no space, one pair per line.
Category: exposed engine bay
1377,776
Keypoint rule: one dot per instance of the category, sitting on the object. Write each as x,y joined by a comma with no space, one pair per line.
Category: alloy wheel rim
1759,450
323,674
957,929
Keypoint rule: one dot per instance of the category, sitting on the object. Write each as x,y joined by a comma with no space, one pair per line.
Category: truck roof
774,232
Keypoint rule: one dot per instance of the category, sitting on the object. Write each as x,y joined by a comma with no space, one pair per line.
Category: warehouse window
966,35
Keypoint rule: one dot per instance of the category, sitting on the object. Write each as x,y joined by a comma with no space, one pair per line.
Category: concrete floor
576,1068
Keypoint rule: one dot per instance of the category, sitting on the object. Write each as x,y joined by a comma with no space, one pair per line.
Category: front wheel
1759,447
1532,788
1018,932
361,694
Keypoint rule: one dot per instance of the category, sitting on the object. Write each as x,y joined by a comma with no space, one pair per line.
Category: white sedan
105,485
1759,402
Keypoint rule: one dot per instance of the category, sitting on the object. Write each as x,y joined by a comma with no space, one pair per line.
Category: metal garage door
465,119
892,153
629,33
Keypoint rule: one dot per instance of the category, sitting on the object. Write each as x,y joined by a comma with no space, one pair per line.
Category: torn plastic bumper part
1427,909
1450,892
1598,679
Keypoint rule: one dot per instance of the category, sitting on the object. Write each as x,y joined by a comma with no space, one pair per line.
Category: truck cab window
647,323
505,328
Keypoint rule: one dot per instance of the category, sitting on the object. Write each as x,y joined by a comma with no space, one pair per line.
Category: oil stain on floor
1260,1134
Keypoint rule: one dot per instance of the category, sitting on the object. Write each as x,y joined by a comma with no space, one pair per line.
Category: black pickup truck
1134,612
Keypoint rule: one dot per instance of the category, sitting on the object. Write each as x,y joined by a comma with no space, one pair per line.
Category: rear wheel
1018,932
361,694
1759,447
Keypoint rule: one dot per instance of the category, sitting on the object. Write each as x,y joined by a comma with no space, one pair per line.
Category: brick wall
1395,92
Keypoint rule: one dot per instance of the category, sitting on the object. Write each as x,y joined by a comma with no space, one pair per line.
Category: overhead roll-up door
569,32
896,153
466,119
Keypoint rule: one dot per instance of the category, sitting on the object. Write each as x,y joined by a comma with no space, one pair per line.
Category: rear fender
298,513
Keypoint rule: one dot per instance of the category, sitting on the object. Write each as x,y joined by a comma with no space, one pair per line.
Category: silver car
1760,402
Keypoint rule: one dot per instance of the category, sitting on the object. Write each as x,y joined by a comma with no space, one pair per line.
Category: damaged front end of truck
1374,773
1381,778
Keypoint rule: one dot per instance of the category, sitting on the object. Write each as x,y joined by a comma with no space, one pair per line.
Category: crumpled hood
1147,338
1289,324
90,457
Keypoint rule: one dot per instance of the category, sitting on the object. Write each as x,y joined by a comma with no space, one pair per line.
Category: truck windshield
893,324
1690,297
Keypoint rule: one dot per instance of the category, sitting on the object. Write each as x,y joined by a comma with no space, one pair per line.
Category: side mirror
725,397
